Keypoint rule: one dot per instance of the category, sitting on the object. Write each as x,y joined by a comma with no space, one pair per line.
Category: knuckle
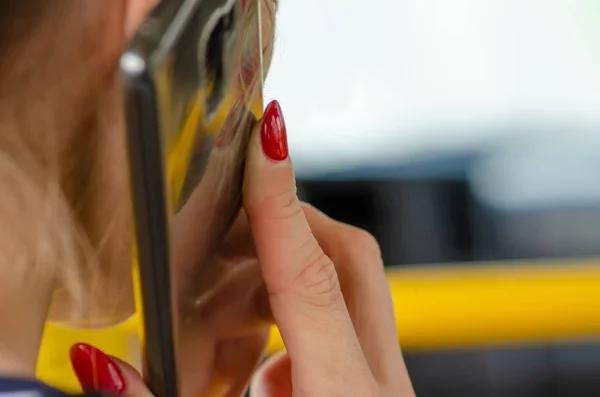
361,244
318,281
309,208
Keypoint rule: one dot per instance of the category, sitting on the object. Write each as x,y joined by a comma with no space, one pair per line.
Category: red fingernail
244,5
96,371
273,133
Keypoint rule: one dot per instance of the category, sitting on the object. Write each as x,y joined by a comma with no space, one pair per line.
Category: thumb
98,372
304,291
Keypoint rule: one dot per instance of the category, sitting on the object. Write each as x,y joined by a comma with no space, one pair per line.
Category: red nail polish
96,371
273,133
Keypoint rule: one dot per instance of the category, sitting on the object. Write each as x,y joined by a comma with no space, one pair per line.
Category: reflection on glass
207,96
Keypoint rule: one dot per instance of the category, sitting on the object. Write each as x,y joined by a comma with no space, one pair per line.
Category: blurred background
455,131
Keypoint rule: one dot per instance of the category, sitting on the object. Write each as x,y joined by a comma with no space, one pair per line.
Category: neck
31,222
22,315
48,205
96,185
64,211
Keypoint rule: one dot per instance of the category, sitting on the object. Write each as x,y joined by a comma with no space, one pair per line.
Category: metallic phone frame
139,65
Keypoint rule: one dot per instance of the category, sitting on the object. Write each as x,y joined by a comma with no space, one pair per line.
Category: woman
65,233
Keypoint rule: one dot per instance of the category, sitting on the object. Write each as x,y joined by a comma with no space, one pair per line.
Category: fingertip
269,172
95,370
273,133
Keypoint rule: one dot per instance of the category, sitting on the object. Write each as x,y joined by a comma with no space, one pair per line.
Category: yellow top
493,304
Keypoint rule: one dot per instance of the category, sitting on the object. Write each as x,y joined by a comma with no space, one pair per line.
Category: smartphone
185,97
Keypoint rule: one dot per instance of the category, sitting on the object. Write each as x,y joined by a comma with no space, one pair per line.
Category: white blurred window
374,81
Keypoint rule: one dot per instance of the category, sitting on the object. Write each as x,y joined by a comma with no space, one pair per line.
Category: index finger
302,282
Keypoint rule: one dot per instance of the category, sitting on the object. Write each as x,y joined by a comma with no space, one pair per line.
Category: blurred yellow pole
460,306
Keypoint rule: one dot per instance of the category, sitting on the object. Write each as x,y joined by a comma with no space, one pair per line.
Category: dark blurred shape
561,371
501,203
415,221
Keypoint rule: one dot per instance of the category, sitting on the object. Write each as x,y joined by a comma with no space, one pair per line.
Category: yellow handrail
460,306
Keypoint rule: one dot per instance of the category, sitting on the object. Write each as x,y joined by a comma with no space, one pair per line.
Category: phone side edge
149,208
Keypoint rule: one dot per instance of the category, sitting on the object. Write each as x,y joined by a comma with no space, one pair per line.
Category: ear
135,12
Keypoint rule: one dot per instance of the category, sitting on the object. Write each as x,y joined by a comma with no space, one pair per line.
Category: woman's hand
325,285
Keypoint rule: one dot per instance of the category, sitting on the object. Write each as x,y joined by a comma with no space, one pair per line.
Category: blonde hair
42,235
251,20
